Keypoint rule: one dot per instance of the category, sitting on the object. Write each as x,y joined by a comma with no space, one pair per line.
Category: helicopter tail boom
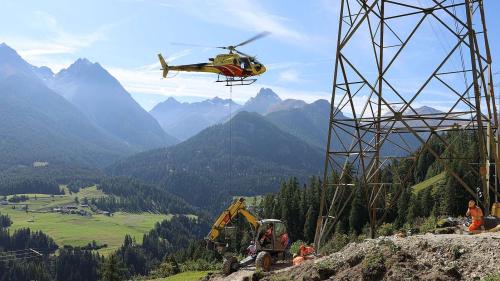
164,65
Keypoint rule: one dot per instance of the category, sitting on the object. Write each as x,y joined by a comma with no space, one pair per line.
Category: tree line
128,194
28,185
298,205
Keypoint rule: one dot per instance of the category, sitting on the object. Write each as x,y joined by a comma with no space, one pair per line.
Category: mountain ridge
259,153
184,120
101,97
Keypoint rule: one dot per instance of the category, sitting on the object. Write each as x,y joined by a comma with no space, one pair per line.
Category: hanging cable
230,138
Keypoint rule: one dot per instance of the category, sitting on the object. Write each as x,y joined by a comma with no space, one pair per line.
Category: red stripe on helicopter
230,70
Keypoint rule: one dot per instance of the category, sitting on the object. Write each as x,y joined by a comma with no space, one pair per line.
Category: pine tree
413,209
112,270
358,213
310,225
426,201
403,204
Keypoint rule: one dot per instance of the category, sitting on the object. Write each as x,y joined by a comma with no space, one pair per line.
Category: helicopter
235,68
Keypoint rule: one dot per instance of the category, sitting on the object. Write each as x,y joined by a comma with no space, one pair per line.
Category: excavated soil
420,257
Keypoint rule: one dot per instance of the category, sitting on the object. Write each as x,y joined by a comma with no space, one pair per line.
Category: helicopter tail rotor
164,65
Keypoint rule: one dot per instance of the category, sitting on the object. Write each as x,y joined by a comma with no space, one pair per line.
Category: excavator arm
237,207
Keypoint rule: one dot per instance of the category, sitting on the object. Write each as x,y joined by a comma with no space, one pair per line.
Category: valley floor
75,229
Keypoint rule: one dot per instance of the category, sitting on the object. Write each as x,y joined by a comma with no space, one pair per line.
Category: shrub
198,265
373,267
294,248
335,244
428,224
386,229
165,269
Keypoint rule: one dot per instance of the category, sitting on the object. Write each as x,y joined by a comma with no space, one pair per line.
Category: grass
184,276
76,230
493,277
429,182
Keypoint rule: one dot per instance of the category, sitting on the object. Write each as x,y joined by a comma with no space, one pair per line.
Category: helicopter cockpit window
245,63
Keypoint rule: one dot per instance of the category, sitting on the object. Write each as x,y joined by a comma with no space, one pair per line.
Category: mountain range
247,156
40,125
80,115
184,120
104,101
83,116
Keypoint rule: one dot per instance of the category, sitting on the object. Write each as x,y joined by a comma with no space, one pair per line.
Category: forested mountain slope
246,156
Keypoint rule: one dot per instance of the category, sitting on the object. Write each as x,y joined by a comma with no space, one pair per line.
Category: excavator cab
278,241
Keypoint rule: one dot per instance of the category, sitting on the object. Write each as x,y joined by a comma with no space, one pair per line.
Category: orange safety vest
298,260
476,212
305,251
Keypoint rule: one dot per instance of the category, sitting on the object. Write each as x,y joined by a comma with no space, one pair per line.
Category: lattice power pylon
406,71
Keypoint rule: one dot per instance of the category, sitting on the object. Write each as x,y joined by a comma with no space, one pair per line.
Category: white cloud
58,42
242,14
251,14
290,75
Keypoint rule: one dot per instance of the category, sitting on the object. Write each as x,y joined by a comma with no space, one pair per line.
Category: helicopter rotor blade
256,37
243,54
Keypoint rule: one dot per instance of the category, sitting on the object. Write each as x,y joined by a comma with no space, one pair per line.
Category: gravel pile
419,257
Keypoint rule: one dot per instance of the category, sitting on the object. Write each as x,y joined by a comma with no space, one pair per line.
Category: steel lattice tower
394,57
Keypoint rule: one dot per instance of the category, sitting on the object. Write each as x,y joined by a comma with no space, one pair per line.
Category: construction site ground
420,257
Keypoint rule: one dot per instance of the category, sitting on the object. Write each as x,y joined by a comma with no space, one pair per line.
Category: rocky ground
420,257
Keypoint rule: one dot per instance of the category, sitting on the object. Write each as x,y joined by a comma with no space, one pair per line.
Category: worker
305,253
476,214
268,235
285,240
297,259
306,250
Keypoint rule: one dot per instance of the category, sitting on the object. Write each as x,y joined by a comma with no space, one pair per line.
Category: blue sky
125,36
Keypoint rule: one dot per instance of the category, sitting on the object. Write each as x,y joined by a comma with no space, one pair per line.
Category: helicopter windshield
245,63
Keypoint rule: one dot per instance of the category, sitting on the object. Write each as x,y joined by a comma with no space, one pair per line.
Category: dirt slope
421,257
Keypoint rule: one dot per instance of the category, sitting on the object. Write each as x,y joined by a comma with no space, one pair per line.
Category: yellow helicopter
236,68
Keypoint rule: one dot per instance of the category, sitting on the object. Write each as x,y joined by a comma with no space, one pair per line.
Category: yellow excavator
270,241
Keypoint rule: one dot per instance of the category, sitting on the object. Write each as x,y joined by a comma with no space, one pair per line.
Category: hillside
448,257
198,169
286,105
40,125
105,102
184,120
309,122
430,257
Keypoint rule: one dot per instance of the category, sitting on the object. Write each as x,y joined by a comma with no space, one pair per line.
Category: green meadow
185,276
77,230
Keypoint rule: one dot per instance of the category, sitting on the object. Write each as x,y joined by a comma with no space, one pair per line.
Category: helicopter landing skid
231,81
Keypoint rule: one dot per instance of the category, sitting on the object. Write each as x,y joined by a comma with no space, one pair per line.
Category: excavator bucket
164,65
